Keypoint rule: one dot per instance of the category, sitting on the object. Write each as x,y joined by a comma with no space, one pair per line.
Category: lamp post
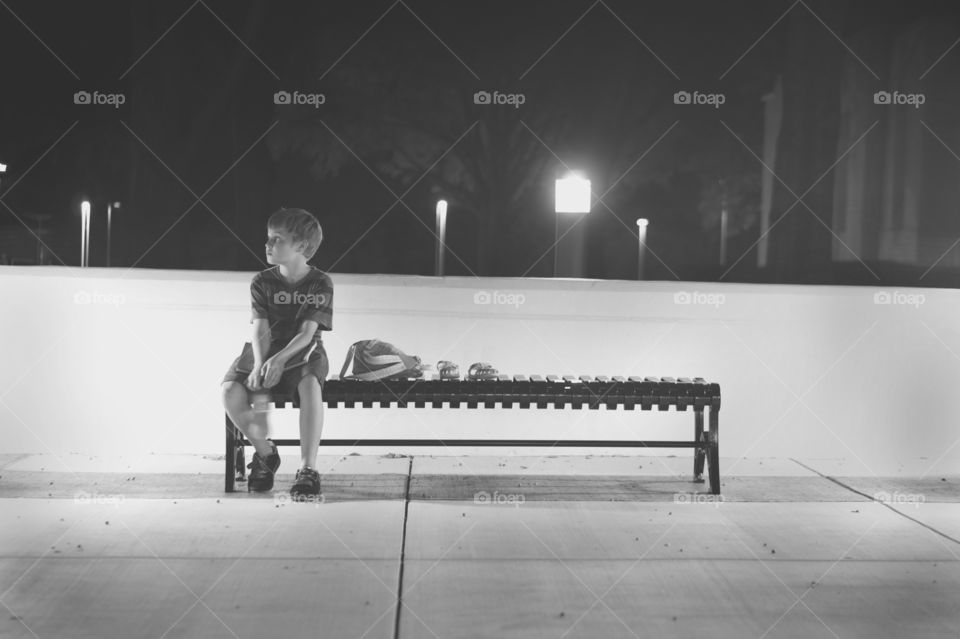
641,245
441,237
723,222
723,237
572,195
110,207
84,232
40,218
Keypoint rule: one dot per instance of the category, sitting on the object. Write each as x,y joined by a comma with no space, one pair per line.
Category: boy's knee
309,385
233,391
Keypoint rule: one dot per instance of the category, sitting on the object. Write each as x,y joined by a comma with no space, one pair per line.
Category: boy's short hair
301,226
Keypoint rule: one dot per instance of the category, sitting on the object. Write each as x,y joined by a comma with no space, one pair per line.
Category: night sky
199,153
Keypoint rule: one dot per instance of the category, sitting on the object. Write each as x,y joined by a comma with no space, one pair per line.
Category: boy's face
280,247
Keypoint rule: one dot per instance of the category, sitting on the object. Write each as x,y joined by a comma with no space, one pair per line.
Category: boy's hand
254,379
272,369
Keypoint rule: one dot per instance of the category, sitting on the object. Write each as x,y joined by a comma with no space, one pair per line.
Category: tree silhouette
412,118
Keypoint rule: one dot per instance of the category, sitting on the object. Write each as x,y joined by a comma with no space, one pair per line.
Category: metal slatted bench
551,391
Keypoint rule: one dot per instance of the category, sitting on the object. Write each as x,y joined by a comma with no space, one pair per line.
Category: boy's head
291,231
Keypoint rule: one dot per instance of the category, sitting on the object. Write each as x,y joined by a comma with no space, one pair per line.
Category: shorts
318,366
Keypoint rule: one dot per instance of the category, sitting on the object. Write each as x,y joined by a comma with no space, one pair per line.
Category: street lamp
441,237
723,223
572,195
84,232
642,245
110,207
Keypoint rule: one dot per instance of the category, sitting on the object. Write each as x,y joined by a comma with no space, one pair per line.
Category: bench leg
698,453
713,451
235,463
241,458
230,457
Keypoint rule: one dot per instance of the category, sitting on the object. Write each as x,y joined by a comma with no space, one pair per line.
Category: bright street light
641,245
110,207
573,194
441,237
84,233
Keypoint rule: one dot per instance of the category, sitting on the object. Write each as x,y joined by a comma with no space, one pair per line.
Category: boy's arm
260,314
300,341
260,341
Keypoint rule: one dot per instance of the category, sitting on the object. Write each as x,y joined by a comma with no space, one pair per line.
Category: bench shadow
343,487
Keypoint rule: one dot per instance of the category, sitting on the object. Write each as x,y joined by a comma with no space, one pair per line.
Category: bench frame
552,392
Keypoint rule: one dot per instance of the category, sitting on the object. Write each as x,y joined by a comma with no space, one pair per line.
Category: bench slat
505,392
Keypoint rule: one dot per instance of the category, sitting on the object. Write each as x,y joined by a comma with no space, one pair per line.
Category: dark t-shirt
286,306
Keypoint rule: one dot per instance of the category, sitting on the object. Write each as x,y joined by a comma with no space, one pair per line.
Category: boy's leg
251,423
311,420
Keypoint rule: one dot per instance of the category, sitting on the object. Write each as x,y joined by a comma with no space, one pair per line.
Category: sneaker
306,484
262,470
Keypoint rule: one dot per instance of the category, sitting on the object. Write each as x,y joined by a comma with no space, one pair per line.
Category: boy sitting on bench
292,303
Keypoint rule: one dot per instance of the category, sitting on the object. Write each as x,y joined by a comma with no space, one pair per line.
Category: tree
799,244
410,115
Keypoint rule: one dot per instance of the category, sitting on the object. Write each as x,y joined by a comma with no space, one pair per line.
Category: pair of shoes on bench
307,484
482,371
448,370
262,470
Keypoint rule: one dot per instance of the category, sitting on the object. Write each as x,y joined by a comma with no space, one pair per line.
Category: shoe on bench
262,470
307,484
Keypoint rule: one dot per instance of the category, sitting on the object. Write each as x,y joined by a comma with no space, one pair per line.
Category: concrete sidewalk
477,547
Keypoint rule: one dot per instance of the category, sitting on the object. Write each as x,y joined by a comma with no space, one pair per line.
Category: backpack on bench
377,360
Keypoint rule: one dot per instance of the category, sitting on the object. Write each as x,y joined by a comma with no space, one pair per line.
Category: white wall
876,382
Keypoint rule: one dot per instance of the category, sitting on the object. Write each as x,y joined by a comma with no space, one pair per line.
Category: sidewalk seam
873,499
403,548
